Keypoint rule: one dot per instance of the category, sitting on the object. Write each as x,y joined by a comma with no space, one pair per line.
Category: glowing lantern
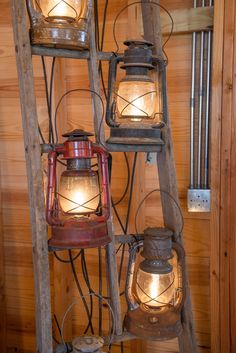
60,23
77,206
154,292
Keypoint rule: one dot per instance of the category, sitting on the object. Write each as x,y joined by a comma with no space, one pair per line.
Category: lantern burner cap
138,43
158,232
78,135
87,344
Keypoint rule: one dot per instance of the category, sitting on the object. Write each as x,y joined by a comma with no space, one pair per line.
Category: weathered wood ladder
165,163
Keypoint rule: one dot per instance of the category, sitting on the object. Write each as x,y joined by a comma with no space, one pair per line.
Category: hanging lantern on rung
60,23
137,106
77,206
155,291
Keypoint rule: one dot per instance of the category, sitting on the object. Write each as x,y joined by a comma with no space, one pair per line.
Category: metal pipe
192,106
200,107
208,81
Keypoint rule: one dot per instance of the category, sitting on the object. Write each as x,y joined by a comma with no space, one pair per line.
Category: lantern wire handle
80,90
147,3
171,197
76,302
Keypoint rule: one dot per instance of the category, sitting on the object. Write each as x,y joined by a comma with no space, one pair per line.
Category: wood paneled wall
16,238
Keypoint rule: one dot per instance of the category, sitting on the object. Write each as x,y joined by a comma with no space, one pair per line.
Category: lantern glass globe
136,100
54,10
79,192
155,290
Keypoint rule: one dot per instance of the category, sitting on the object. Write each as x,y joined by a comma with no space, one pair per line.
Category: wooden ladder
165,163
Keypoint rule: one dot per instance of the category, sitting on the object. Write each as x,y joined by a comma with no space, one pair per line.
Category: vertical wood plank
227,198
2,283
216,106
168,182
35,178
62,276
233,200
112,272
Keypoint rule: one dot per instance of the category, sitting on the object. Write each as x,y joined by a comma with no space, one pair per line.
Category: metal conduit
208,83
192,106
199,194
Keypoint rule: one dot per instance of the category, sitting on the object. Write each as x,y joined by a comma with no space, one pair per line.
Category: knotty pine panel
16,222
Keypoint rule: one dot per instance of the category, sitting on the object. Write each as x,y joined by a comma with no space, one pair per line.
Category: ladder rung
67,53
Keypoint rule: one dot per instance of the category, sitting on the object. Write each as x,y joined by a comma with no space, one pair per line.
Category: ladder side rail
112,271
168,180
35,178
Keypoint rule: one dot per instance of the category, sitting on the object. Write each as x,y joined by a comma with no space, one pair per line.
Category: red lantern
77,207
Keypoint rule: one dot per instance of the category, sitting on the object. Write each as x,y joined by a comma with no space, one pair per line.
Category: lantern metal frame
77,232
143,321
136,136
62,34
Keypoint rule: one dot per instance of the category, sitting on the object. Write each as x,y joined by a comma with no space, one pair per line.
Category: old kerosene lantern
154,292
77,205
136,109
88,344
60,23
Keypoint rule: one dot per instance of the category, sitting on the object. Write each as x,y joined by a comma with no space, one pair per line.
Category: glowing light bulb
57,9
79,192
155,290
137,100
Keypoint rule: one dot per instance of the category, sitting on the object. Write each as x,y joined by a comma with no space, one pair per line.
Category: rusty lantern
77,206
60,23
154,292
137,108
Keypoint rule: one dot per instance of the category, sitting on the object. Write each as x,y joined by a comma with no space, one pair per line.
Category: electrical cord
49,95
127,182
80,292
66,261
51,136
128,214
60,333
100,290
87,282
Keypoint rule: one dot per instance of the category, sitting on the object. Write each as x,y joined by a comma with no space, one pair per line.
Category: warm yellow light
155,290
61,8
137,100
79,192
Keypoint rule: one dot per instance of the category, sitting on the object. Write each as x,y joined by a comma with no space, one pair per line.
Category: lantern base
164,325
60,35
132,139
79,235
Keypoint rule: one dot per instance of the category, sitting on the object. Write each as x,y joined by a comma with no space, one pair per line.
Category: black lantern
60,23
154,292
137,108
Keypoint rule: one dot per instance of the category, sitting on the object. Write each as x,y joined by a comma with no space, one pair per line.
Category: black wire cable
100,290
51,132
128,214
127,182
41,134
87,282
66,261
80,292
117,216
46,84
60,333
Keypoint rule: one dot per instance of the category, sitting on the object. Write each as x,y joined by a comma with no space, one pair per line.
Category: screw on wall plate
199,200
